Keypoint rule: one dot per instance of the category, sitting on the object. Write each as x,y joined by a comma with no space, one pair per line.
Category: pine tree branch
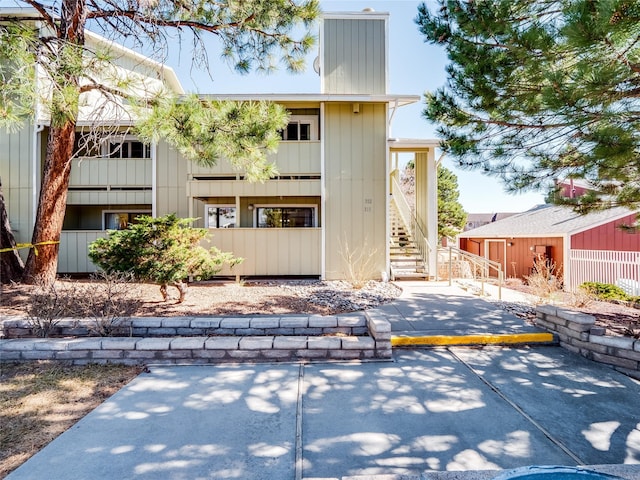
46,17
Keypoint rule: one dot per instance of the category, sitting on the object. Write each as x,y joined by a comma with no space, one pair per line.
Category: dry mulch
40,400
228,298
308,297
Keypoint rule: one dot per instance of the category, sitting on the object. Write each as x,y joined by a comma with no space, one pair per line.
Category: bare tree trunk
42,264
42,261
11,266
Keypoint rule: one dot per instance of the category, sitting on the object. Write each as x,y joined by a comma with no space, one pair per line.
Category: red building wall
519,255
608,237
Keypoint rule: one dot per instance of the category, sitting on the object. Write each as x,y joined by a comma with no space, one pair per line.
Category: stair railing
410,221
481,268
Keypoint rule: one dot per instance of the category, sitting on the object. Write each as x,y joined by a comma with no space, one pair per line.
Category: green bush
162,250
606,291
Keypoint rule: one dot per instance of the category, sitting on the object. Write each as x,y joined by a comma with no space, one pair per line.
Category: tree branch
42,10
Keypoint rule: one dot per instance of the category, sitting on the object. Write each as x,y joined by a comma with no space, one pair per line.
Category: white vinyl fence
605,266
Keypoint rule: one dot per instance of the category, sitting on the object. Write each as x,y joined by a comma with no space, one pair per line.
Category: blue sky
414,67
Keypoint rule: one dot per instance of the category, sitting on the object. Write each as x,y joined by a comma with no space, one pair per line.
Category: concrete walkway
436,410
434,313
443,413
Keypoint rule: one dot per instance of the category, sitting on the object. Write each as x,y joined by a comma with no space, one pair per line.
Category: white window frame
215,205
105,212
313,206
311,120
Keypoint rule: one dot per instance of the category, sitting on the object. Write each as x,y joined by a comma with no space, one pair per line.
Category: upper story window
301,128
112,146
128,147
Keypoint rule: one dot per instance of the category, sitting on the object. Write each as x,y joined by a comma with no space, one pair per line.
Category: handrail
484,264
404,209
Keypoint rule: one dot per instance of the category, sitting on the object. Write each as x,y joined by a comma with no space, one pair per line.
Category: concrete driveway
453,409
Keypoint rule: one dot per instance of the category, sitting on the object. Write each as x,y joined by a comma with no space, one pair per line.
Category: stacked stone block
577,332
210,340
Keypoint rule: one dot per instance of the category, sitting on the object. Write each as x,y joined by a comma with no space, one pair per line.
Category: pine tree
254,35
451,215
540,90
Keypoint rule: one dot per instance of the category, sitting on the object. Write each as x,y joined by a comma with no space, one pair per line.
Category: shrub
359,264
163,250
107,299
48,304
546,279
605,291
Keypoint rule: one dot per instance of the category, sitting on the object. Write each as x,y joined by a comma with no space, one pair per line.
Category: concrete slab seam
513,405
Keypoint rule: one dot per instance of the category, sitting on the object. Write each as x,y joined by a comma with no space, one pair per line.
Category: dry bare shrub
579,299
108,300
48,304
359,263
546,279
513,282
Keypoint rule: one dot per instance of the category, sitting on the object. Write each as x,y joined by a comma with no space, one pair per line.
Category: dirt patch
259,297
40,400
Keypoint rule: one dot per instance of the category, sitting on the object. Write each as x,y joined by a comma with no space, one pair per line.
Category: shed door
496,250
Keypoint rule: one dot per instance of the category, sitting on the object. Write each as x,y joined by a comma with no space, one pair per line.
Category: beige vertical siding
354,56
291,158
111,171
171,178
228,188
16,173
427,203
270,251
115,197
74,251
355,202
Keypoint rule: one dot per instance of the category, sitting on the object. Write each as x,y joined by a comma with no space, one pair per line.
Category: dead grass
40,400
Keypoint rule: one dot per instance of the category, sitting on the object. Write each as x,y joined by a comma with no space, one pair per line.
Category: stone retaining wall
194,326
577,332
240,345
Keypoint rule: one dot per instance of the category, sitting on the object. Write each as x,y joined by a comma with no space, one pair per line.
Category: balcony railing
266,251
291,158
121,172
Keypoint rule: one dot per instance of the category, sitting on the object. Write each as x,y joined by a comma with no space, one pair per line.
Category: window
121,220
286,217
303,128
128,148
86,145
219,216
113,146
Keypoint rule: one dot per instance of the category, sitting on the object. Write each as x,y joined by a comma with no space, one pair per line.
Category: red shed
589,247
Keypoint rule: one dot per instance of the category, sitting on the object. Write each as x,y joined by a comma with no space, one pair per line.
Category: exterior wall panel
608,237
16,173
519,256
171,177
74,251
292,158
114,197
270,251
355,187
230,188
354,56
110,171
